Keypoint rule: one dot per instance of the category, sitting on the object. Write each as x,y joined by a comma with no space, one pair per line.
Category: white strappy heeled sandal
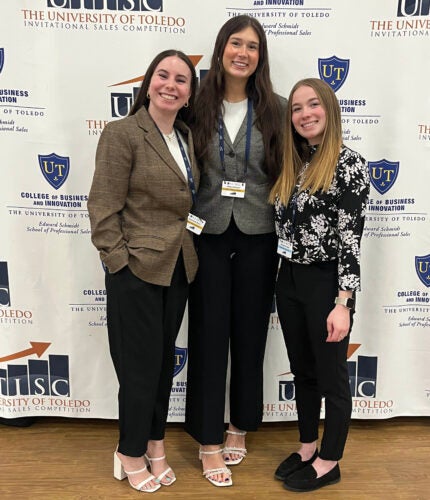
233,450
209,473
120,474
171,479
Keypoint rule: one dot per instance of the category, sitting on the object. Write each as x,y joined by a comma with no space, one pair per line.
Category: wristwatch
345,301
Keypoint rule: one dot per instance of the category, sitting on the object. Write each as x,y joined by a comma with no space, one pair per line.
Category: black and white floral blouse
328,226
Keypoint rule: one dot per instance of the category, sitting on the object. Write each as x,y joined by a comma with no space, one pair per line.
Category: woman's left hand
338,322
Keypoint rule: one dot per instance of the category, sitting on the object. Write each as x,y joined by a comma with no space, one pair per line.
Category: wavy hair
259,89
319,174
185,114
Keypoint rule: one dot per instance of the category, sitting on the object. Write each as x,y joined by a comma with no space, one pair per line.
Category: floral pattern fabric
328,225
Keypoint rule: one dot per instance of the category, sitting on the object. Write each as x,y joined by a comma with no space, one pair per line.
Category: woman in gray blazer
143,189
238,142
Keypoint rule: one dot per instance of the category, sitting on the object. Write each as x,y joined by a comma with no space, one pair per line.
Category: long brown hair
320,172
185,114
259,89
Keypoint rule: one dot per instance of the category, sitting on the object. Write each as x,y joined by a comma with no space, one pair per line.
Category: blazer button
231,154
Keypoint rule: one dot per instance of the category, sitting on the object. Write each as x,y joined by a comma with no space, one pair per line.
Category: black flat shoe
307,480
291,464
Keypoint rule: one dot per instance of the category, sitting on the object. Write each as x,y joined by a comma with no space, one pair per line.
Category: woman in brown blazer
142,192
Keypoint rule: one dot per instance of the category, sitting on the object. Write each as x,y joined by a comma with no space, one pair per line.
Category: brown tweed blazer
139,201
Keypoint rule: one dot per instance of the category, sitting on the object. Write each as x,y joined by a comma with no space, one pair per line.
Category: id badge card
285,248
195,224
233,189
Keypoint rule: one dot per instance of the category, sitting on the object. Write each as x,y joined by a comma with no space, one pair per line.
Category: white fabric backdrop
69,66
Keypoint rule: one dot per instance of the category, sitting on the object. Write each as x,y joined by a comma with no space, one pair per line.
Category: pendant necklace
171,136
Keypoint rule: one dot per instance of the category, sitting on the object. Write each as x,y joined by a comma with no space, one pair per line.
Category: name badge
233,189
195,224
285,248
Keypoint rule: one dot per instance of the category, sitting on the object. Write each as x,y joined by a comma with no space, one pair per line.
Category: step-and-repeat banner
67,67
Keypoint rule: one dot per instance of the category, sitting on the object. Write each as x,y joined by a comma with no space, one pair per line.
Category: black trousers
305,296
229,306
143,323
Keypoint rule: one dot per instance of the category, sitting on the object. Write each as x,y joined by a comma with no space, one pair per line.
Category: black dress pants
229,307
305,296
143,323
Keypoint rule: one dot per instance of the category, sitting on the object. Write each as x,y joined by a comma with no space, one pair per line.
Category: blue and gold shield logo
422,266
383,174
333,71
181,354
1,59
54,168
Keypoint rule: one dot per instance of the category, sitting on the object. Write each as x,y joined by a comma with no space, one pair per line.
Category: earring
186,104
148,96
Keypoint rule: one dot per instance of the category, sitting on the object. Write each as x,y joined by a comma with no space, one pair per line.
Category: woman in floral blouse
320,200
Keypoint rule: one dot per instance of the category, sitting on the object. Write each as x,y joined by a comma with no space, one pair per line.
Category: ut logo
333,71
422,267
383,174
408,8
54,168
180,359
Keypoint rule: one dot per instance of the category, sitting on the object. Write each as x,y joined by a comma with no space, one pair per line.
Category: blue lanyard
248,138
188,168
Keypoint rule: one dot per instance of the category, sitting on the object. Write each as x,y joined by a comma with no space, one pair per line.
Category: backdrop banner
67,67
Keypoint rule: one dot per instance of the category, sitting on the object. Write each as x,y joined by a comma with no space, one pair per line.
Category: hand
338,323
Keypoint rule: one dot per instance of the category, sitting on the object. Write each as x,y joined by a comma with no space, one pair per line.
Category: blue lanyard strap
188,168
248,138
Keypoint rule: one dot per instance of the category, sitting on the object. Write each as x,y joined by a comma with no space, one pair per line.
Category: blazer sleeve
108,194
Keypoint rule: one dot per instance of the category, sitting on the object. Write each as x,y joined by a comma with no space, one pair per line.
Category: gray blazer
139,201
252,214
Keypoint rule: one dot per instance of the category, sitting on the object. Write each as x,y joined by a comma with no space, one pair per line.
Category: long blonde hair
319,173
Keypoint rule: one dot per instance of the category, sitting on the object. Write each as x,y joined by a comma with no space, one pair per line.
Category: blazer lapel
154,138
227,139
189,138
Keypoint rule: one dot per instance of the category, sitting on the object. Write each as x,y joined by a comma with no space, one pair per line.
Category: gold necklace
170,136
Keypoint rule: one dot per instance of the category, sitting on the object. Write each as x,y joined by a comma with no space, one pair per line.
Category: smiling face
241,54
170,86
308,115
